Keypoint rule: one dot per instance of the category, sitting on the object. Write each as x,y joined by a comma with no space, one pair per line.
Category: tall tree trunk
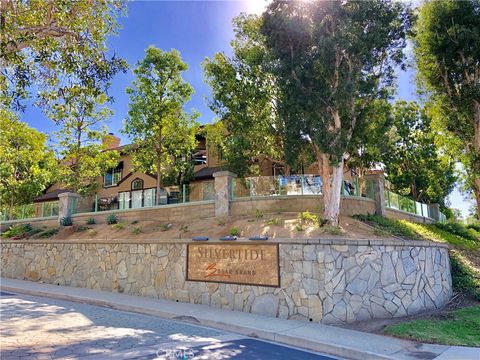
158,184
476,107
332,202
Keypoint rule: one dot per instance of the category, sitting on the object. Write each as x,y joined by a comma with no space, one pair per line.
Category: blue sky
197,29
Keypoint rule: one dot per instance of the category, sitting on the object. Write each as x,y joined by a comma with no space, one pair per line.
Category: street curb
325,348
279,336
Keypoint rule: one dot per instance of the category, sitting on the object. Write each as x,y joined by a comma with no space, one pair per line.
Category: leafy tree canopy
164,134
51,45
27,166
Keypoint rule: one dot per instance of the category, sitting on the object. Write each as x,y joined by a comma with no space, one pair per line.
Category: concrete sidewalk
331,340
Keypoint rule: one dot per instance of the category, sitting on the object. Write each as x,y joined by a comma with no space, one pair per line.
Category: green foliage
16,230
165,227
413,163
459,229
184,228
458,327
66,221
234,231
50,46
329,69
111,219
136,230
80,228
91,232
244,98
90,221
475,226
308,218
389,226
118,226
162,132
274,221
447,52
299,227
332,230
464,276
258,214
48,233
134,222
27,166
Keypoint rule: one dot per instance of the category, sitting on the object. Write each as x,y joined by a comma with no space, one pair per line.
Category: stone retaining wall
325,281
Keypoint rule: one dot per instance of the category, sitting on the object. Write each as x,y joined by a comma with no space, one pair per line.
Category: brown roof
51,196
205,173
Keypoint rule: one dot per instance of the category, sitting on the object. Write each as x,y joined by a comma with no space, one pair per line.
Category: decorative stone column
223,192
66,203
378,180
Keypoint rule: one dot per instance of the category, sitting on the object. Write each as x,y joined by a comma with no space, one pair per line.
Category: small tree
332,59
27,166
163,133
447,50
80,113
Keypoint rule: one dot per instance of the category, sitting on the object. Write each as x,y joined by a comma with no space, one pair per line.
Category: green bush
118,226
165,227
273,221
306,217
475,226
48,233
112,219
17,230
66,221
90,221
80,228
136,230
332,230
458,229
258,213
464,277
234,231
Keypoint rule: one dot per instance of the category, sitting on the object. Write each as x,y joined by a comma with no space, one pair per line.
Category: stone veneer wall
329,281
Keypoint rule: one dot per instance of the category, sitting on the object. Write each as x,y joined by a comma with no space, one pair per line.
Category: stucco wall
174,212
329,281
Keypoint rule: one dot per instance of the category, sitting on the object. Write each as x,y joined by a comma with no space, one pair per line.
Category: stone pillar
434,211
66,203
223,192
378,180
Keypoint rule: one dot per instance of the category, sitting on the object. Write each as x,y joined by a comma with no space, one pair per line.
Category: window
137,184
113,176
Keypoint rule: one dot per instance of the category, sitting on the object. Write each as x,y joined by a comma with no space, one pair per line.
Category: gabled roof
51,196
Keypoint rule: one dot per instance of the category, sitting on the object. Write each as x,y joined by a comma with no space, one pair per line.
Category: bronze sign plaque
249,264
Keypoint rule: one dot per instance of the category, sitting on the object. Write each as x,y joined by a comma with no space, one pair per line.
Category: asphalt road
43,328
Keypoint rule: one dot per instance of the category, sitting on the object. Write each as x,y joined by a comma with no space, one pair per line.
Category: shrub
258,213
17,230
332,230
183,228
273,221
299,227
234,231
66,221
80,228
475,226
136,230
48,233
306,217
112,219
134,222
458,229
464,276
90,221
118,226
92,232
165,227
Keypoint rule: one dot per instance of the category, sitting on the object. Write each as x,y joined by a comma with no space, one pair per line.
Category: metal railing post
184,194
96,202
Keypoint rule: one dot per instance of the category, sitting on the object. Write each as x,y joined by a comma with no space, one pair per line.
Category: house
123,188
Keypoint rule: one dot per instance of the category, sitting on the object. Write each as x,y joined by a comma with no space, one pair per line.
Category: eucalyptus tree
245,98
331,60
447,51
47,45
163,134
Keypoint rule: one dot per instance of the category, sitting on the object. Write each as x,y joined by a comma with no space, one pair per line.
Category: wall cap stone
298,241
224,173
